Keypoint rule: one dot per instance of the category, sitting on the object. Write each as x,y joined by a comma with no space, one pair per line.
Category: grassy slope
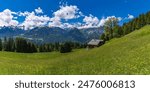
126,55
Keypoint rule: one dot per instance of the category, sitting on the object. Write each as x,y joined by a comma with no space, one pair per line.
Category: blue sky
92,11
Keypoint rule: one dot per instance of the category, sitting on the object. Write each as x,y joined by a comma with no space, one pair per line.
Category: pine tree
66,47
34,48
56,46
5,43
1,46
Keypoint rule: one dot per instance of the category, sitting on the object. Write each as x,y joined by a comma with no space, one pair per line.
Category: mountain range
52,34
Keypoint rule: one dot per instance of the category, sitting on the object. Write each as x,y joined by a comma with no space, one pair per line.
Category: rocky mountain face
53,34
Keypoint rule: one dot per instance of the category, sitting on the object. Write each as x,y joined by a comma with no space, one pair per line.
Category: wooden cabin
95,43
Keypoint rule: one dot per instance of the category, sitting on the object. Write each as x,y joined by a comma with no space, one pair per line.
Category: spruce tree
1,46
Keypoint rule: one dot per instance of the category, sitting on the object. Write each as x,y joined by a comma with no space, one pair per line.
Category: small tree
108,27
102,37
66,47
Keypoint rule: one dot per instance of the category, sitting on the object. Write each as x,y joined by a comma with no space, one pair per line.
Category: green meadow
120,56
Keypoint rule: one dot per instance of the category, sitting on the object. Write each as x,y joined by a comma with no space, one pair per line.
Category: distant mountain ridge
52,34
10,31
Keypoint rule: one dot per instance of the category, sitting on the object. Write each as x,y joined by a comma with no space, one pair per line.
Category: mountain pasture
126,55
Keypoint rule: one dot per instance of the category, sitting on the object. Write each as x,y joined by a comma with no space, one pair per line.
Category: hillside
127,55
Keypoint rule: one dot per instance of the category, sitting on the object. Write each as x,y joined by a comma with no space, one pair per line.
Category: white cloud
61,18
13,23
71,25
103,20
15,17
26,13
67,13
130,16
39,10
55,21
119,18
7,18
68,25
90,21
81,14
33,20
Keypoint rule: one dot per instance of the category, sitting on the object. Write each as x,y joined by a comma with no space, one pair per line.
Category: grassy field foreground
127,55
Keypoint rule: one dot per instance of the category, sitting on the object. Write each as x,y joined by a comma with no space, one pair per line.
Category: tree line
112,29
21,45
61,47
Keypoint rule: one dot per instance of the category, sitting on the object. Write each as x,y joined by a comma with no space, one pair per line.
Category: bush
66,47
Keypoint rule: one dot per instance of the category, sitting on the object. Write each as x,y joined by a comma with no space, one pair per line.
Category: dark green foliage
41,48
18,45
56,45
102,37
112,28
31,48
118,32
60,46
25,47
76,45
14,47
109,28
66,47
137,23
5,43
1,46
46,48
9,45
34,48
21,45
